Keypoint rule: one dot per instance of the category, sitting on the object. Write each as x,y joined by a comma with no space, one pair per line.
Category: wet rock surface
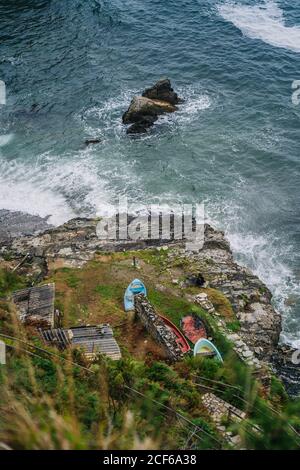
286,365
162,90
14,224
144,110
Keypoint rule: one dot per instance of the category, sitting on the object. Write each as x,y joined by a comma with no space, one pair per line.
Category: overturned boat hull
204,347
181,340
134,288
193,328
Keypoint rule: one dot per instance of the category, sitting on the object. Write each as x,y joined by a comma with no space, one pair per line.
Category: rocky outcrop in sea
144,110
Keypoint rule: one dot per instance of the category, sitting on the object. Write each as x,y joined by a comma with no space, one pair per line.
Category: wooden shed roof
92,339
36,302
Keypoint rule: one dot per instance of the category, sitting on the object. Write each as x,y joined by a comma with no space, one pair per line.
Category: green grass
107,291
170,306
72,281
10,282
52,403
234,326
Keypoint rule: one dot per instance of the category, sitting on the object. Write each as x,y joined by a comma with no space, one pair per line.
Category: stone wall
157,328
220,411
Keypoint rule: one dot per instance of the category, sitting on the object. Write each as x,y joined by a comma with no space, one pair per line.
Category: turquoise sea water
71,68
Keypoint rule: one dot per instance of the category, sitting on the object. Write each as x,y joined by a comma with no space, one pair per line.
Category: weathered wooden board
37,302
92,339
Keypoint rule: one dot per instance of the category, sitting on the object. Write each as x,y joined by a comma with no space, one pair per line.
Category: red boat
181,341
193,328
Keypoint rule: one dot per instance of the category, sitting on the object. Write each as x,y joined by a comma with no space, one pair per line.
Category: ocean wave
195,103
31,195
109,114
6,139
56,187
266,255
264,21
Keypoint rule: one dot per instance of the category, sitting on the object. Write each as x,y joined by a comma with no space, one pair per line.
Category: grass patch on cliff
172,307
220,302
234,326
94,294
9,282
106,292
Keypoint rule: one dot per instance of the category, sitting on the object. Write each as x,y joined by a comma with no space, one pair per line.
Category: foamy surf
196,101
62,187
267,261
266,258
265,21
27,197
194,105
56,188
5,139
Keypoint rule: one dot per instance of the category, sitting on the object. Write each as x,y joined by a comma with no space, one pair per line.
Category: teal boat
204,347
134,288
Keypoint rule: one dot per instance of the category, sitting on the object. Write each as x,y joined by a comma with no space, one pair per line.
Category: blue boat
204,347
134,288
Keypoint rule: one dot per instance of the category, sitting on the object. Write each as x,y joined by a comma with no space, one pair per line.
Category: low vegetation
55,400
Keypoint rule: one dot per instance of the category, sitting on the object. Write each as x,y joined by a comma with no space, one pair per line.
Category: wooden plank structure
35,305
92,339
56,337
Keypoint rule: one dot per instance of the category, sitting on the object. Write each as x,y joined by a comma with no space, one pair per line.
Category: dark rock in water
16,224
286,364
34,108
140,126
144,111
142,108
92,141
162,90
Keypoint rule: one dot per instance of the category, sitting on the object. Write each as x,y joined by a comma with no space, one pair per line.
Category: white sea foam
27,197
196,101
268,261
266,256
5,139
30,195
264,21
193,105
109,114
61,188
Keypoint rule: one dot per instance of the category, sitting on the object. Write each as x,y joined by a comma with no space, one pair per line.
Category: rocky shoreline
15,224
257,340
